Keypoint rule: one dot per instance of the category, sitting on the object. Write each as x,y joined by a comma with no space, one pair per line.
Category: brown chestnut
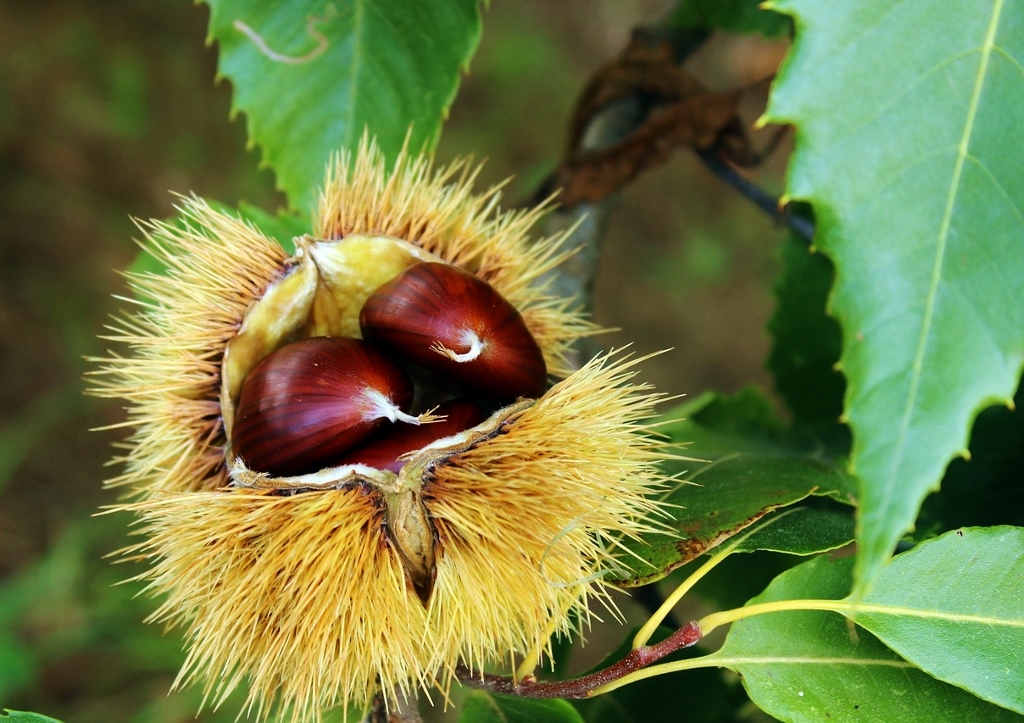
383,449
308,402
459,327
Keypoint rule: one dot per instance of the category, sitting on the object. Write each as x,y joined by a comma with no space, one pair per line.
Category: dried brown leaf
676,111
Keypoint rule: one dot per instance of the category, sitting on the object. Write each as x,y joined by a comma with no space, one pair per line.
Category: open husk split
323,590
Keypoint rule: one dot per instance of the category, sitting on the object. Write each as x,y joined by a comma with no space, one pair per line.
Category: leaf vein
942,240
1000,50
810,660
861,608
981,165
912,86
358,39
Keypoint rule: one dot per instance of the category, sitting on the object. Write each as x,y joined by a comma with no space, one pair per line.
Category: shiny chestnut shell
459,327
307,403
385,446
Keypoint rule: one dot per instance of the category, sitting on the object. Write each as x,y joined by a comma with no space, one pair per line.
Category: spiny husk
218,266
302,599
297,598
528,521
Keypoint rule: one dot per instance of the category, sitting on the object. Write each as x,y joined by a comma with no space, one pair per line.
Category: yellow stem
643,635
714,620
531,661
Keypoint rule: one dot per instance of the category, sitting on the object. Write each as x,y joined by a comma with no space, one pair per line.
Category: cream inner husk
321,295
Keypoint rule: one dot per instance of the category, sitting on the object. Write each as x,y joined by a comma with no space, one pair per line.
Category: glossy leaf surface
311,77
909,154
806,666
954,606
726,497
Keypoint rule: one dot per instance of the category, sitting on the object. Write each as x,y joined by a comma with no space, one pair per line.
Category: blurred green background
106,108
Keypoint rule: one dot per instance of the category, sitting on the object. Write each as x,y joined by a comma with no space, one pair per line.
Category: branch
584,686
630,116
574,279
802,227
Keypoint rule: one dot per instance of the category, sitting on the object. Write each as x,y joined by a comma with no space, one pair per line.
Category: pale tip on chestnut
381,407
470,339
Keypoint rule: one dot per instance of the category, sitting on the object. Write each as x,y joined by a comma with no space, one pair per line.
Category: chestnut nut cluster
435,338
338,491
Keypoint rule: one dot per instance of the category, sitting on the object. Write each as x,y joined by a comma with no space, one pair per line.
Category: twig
609,127
768,203
575,278
582,687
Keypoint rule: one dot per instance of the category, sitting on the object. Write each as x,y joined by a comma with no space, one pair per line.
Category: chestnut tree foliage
896,333
898,341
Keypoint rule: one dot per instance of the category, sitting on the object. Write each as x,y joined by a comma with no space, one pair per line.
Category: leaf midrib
943,237
907,612
358,33
730,660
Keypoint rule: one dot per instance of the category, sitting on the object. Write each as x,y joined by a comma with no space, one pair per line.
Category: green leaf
18,716
311,77
484,707
810,527
909,154
737,16
954,606
714,425
728,496
806,345
805,666
802,530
